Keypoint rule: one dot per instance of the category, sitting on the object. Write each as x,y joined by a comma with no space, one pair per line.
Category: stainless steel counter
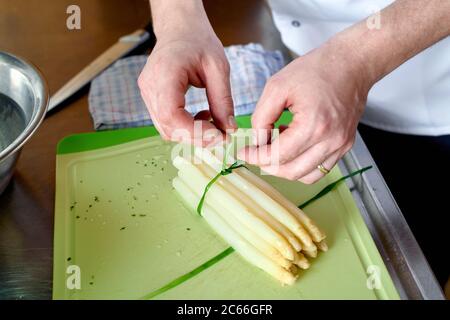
402,255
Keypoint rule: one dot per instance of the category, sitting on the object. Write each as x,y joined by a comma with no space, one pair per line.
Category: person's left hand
326,94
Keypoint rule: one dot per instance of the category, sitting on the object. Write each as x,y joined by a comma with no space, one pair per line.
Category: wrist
352,64
172,16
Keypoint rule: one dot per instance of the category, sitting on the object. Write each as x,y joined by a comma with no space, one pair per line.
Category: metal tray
399,249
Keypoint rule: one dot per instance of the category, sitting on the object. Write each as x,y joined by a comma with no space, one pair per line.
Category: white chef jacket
413,99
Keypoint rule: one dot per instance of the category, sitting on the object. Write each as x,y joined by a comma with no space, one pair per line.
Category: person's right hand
183,57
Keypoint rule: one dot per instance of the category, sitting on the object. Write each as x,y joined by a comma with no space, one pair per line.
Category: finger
267,111
303,164
203,115
315,175
198,132
150,107
176,123
169,100
163,95
285,148
220,101
206,116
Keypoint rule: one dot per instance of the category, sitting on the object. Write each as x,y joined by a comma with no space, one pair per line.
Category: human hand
183,57
326,91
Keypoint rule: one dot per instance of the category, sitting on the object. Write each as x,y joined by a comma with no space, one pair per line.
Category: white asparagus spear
255,240
252,205
322,245
241,245
309,224
311,253
278,211
190,174
315,232
258,242
301,261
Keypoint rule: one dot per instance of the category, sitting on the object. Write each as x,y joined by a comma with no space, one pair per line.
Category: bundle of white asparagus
254,218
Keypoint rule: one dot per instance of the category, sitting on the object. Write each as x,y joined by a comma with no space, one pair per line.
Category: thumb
218,91
267,111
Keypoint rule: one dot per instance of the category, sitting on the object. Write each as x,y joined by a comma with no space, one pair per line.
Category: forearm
407,27
168,15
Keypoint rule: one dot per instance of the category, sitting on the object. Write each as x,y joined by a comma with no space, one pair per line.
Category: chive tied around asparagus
223,172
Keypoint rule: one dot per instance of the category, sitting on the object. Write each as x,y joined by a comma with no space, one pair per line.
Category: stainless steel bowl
23,86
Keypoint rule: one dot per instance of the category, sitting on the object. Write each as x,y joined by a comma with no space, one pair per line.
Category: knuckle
322,128
284,155
291,176
216,63
223,100
341,139
159,65
164,115
141,81
348,145
273,83
222,65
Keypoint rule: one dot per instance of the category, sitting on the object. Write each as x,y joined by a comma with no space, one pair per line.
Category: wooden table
36,30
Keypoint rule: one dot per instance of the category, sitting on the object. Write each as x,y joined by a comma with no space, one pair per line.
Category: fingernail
232,122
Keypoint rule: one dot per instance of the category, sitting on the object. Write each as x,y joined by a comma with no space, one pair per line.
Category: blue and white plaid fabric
115,101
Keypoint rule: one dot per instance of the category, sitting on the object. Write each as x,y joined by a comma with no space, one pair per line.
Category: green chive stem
332,186
191,274
223,172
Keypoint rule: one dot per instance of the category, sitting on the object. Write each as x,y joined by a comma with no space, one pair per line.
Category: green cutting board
122,231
